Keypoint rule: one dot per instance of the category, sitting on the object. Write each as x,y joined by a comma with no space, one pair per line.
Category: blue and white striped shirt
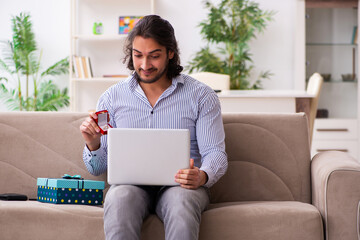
186,104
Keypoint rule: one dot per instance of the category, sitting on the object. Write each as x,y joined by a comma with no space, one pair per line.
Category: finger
93,115
84,129
92,118
187,176
90,127
87,130
191,163
94,125
185,181
188,186
194,171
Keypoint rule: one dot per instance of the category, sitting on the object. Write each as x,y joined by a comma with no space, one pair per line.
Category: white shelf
332,44
105,51
98,79
100,37
329,50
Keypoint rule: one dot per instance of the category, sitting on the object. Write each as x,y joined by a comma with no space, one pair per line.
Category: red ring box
103,121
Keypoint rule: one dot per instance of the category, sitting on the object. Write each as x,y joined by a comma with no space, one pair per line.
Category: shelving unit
331,3
330,50
99,37
105,51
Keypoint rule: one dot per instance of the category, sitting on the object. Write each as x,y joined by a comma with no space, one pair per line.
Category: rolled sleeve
211,139
95,161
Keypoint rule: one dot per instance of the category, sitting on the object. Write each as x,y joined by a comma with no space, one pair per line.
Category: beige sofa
271,190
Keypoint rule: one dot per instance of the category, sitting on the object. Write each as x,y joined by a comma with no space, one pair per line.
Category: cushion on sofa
252,220
36,220
269,158
270,220
40,144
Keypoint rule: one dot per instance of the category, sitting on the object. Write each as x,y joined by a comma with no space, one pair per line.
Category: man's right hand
91,132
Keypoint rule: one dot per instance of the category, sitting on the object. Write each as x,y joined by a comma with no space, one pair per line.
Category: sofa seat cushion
233,220
35,220
269,220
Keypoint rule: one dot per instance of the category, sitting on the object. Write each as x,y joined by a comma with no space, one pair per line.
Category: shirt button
94,155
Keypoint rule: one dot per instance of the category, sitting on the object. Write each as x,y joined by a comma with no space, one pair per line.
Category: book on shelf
77,67
115,76
354,35
88,67
82,67
83,61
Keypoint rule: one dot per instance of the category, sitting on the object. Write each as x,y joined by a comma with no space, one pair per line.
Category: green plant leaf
206,61
5,67
4,79
230,25
61,67
9,97
50,98
22,60
7,63
23,36
34,63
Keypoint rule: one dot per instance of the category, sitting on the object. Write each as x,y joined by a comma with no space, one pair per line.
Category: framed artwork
127,23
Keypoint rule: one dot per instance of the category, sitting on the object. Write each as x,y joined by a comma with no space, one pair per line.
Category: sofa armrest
336,193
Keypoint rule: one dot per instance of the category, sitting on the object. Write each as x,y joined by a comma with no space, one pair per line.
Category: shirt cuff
90,154
210,175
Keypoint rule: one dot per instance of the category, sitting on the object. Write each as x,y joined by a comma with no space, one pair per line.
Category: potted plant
230,26
22,62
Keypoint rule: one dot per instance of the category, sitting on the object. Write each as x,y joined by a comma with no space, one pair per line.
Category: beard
152,80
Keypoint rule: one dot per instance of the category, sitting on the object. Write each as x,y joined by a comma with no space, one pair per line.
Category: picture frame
127,23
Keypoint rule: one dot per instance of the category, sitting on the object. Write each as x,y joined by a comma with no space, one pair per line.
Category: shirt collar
133,83
178,79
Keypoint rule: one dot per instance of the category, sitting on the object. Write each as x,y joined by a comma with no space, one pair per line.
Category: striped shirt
185,104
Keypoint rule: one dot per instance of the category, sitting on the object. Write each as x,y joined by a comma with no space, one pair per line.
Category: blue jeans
126,206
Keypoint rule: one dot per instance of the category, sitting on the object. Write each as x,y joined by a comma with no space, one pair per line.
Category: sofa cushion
262,220
250,220
40,144
35,220
269,158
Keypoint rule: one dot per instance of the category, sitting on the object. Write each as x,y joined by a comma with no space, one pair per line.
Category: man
158,96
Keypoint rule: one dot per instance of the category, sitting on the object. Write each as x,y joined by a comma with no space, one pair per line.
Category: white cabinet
331,49
105,51
335,134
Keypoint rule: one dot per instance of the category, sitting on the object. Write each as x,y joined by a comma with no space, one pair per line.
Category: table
280,101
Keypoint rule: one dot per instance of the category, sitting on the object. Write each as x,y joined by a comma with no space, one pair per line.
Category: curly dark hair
153,26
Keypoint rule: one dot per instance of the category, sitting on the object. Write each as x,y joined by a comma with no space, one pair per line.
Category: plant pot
348,77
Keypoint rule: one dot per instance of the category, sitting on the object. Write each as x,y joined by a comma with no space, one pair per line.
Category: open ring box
103,121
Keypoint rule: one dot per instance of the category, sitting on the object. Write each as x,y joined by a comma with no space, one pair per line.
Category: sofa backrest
269,158
41,144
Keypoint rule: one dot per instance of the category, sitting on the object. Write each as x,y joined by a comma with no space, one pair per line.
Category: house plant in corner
21,62
230,27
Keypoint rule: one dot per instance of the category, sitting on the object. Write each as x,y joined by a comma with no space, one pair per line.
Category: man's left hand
191,178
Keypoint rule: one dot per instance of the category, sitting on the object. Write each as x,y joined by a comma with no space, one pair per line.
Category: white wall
273,50
51,25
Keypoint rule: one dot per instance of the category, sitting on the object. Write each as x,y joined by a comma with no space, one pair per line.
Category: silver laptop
142,156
